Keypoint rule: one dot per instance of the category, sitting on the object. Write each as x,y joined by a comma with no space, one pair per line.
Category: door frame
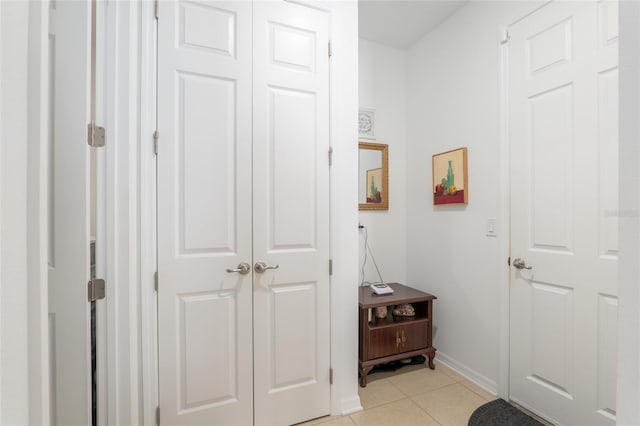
627,410
504,214
126,181
343,203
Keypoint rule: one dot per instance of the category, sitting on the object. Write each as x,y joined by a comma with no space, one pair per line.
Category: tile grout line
451,376
426,412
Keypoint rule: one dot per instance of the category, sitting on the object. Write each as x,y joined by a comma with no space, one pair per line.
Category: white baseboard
484,382
350,406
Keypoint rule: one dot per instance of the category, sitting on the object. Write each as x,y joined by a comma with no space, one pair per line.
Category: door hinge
509,261
95,135
330,52
95,290
156,9
156,136
330,266
155,280
158,415
330,156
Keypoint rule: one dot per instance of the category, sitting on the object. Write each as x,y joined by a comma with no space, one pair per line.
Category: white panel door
69,320
563,93
243,176
291,212
204,213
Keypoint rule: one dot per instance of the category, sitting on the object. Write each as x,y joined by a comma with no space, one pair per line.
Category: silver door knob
520,264
243,268
260,267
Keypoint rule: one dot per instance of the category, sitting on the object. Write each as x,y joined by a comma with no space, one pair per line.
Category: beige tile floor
414,395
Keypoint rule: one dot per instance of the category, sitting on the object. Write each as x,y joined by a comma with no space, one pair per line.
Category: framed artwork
373,176
374,186
450,184
366,123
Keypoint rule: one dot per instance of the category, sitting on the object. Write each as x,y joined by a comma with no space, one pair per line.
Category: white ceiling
400,23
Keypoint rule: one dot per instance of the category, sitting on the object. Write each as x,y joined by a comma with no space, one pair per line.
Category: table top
401,294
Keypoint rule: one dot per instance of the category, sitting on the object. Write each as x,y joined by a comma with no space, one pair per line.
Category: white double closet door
243,177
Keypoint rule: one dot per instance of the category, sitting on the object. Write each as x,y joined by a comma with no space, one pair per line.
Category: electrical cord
367,250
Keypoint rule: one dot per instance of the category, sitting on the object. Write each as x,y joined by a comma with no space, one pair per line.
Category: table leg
364,370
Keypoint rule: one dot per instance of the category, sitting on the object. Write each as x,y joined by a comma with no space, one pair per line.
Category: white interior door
69,236
204,213
291,212
563,115
243,177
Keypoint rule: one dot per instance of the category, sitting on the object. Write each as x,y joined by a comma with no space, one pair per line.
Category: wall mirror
373,176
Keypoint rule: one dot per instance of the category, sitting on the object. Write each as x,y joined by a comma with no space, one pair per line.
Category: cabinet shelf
393,321
393,337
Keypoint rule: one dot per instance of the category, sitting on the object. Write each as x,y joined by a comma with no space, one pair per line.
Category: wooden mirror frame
384,149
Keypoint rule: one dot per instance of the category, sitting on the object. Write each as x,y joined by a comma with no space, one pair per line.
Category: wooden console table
393,338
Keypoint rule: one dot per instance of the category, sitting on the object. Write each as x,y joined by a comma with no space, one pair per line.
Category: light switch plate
492,230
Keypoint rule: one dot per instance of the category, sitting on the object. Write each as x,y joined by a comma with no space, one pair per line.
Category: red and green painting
450,177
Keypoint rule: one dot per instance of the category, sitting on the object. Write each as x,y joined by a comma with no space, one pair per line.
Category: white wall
453,101
382,86
628,392
13,210
23,238
344,207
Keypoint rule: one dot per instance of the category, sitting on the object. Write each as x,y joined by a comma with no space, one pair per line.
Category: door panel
292,149
291,214
202,345
551,137
552,353
564,141
292,341
608,160
607,344
204,212
206,160
69,320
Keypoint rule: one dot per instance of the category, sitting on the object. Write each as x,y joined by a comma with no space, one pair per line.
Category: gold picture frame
373,176
450,181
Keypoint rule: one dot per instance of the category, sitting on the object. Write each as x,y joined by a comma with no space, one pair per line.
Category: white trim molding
37,228
344,206
469,374
504,219
121,221
148,215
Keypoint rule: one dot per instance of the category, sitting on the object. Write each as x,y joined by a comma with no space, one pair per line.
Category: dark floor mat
501,413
